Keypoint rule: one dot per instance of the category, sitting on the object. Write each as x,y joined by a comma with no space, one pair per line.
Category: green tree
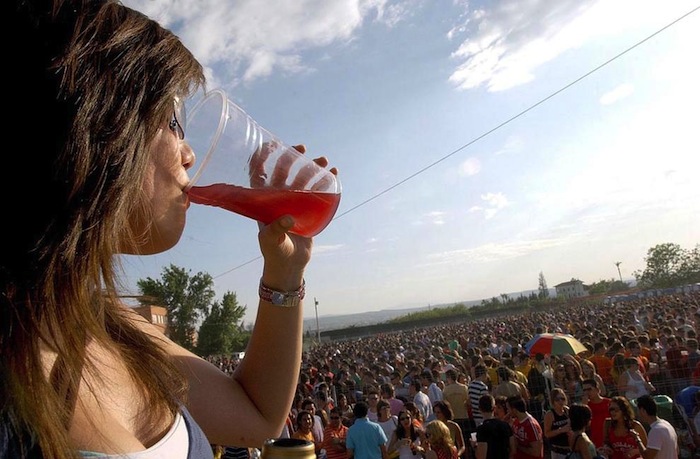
222,330
542,288
607,286
187,299
669,265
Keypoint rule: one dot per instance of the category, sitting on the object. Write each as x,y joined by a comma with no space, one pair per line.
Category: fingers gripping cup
245,169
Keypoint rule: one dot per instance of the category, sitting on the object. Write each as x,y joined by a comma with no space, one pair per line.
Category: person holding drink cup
406,438
103,171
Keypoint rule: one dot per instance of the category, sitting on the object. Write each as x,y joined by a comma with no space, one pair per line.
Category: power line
494,129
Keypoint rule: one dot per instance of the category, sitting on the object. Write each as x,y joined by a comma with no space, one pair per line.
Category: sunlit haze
398,94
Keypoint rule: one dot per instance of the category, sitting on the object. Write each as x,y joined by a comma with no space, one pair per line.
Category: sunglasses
612,409
335,418
404,418
559,399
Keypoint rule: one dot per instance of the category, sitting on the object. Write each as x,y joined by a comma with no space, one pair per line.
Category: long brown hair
96,79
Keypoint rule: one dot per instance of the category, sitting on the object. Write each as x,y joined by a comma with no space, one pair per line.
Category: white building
571,289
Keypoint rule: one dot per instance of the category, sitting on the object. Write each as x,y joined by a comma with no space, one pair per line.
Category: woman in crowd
631,382
559,376
81,372
439,441
623,433
416,416
580,420
387,422
618,367
443,412
556,424
406,438
588,371
304,429
572,379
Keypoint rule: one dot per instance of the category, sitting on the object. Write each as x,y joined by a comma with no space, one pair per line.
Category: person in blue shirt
366,439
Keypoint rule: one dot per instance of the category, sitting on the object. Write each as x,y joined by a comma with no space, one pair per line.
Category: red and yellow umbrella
554,344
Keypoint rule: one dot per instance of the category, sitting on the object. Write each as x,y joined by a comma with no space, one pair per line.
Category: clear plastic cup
243,168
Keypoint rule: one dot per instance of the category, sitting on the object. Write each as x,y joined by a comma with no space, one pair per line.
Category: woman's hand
286,255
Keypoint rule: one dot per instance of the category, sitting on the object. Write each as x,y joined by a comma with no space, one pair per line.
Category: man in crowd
494,437
677,363
400,386
387,393
372,400
334,436
421,400
434,392
603,363
477,388
526,430
662,442
457,394
599,410
365,439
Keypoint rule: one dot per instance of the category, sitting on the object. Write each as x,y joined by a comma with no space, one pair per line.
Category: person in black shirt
494,437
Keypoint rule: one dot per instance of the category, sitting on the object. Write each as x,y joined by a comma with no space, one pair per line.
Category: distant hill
335,322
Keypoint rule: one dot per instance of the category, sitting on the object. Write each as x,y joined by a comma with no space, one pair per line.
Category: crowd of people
478,378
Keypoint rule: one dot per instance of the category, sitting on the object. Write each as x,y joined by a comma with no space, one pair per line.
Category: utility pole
618,263
318,330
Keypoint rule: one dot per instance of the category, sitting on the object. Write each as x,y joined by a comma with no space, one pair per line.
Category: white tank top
174,445
635,387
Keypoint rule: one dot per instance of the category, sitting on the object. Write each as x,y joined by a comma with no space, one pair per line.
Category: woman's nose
188,156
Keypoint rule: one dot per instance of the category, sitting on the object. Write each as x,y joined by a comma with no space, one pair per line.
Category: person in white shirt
434,392
662,441
421,400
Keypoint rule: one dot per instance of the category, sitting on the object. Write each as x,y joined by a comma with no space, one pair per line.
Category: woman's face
163,189
439,414
559,399
615,412
306,422
560,371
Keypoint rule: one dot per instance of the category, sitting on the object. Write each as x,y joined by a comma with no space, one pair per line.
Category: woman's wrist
282,281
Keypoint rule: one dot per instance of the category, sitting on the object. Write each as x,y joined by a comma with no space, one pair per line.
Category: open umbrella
554,344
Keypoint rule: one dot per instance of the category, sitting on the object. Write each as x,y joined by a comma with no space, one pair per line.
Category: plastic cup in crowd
243,168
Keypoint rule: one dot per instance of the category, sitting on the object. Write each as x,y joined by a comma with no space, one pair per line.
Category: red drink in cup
243,168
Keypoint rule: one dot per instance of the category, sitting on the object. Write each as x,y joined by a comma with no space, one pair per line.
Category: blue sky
397,90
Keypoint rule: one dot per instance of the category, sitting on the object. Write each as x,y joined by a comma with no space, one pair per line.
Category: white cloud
469,167
617,94
494,202
251,39
506,44
512,145
497,252
319,249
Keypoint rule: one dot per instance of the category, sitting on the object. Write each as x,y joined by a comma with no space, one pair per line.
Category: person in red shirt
599,411
677,364
526,430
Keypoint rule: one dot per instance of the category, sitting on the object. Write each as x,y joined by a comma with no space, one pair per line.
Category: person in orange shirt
603,364
334,436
